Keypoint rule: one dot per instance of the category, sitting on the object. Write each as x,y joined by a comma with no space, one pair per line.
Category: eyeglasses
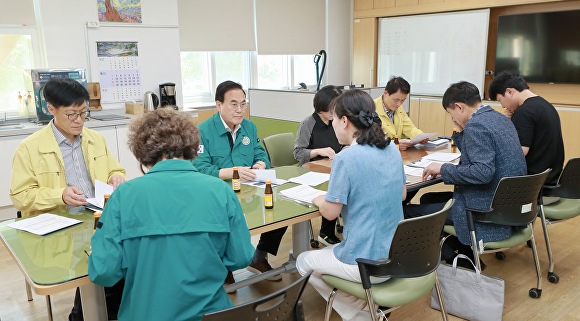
84,115
241,106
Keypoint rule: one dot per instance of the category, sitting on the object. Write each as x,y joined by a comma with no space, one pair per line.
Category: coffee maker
167,95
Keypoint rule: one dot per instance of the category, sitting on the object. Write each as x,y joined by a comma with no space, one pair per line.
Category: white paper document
302,193
263,175
101,188
44,224
442,157
437,142
258,184
421,137
413,171
310,178
420,164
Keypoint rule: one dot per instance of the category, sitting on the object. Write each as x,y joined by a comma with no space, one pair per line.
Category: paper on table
311,178
302,193
277,182
421,137
420,164
437,142
44,224
413,171
442,157
263,175
101,188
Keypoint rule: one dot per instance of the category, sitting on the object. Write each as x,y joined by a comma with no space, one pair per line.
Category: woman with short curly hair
172,234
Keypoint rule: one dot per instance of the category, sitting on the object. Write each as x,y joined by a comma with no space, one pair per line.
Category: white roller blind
290,27
216,25
19,12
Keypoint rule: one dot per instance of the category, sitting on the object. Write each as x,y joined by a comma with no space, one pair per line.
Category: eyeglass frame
87,113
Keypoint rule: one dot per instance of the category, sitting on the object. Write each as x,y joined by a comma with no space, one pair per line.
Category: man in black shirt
535,119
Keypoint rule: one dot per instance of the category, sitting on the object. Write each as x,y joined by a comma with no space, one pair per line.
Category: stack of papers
263,175
44,224
420,163
98,202
310,178
413,171
437,142
302,193
442,157
421,137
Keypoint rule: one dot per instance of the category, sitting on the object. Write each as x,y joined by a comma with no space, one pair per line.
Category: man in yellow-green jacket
59,164
395,120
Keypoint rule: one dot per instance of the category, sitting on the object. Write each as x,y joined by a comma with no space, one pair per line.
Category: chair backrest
515,202
280,149
569,181
415,249
279,305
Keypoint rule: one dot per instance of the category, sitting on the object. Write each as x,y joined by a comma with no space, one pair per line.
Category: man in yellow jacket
395,120
59,164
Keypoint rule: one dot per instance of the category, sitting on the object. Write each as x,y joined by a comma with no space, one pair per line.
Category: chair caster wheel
553,277
339,228
500,256
535,293
314,244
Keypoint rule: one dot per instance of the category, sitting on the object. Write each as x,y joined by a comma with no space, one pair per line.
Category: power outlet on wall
92,24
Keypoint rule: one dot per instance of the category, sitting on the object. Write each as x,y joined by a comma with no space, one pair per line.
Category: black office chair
567,190
29,291
515,203
412,267
283,304
279,148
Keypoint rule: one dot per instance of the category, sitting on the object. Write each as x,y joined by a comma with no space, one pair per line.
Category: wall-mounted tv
544,47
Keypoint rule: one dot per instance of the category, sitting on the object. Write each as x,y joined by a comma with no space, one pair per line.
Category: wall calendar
119,72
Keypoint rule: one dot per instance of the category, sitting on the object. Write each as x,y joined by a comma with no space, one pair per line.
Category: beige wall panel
363,5
571,132
401,3
414,110
431,117
364,46
384,4
430,1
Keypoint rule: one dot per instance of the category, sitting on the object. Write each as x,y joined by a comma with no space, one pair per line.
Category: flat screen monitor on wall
544,47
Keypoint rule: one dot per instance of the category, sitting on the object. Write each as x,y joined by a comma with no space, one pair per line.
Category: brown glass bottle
453,140
236,180
106,199
396,140
97,216
268,195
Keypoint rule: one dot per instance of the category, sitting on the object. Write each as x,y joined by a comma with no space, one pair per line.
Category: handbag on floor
469,294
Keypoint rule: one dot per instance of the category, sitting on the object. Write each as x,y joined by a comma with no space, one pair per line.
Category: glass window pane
272,71
232,65
305,70
16,60
195,74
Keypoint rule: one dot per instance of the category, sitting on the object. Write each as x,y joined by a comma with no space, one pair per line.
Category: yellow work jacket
403,126
38,175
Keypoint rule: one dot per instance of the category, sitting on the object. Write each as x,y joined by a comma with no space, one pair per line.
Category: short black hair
398,83
461,92
323,98
224,87
64,92
504,80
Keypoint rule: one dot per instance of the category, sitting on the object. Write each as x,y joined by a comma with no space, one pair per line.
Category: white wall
65,37
338,42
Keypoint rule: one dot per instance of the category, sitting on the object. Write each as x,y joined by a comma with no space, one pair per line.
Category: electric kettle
151,101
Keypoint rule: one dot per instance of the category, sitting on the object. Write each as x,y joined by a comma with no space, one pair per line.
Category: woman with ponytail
366,192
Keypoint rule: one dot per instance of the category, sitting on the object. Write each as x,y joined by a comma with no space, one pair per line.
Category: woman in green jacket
172,234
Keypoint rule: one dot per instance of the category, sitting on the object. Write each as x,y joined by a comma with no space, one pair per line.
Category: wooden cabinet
364,52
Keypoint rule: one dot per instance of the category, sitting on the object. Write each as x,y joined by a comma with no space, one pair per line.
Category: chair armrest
364,265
